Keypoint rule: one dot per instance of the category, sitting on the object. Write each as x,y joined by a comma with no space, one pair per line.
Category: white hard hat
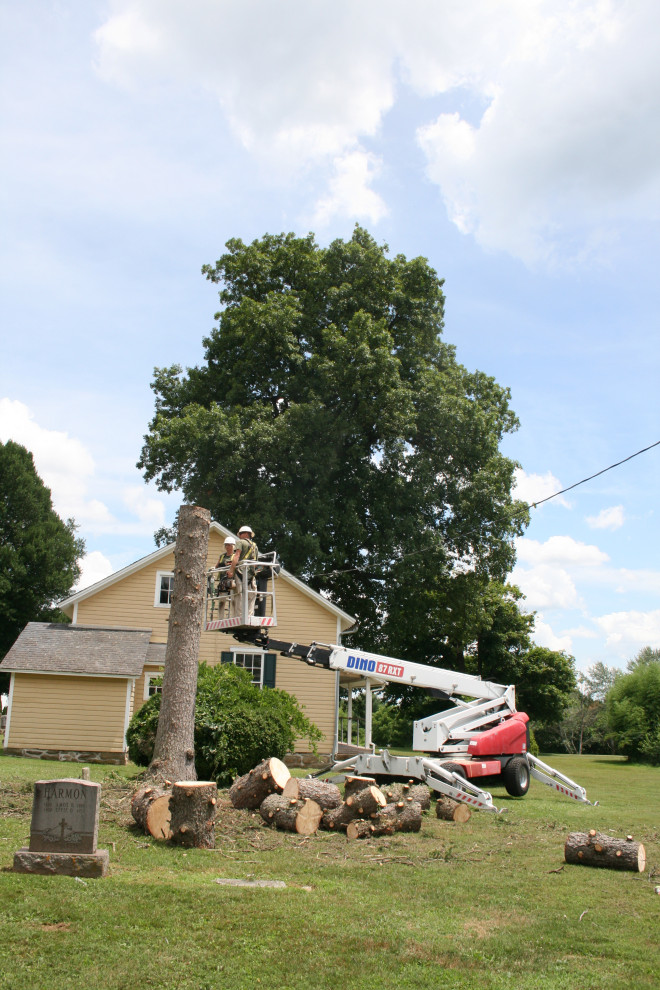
245,529
229,539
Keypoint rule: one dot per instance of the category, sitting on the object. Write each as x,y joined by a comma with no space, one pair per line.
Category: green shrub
633,713
236,725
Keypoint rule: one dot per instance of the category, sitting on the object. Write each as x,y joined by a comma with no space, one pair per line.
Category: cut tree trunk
325,794
267,778
411,791
291,815
365,804
593,849
193,806
174,749
354,784
452,811
400,817
150,807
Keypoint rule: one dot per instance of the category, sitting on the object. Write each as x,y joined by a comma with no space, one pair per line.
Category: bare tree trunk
174,749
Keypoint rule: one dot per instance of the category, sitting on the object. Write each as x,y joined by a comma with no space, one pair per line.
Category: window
261,666
164,582
153,684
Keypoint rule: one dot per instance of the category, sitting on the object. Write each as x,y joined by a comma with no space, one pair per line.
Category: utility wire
531,505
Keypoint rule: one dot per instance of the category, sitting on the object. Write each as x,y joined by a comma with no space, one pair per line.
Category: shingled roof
55,648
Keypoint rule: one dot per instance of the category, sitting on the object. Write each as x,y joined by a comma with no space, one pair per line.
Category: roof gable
162,552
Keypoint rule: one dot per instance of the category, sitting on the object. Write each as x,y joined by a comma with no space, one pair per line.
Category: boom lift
482,739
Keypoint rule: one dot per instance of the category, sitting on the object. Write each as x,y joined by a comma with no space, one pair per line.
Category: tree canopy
330,414
39,552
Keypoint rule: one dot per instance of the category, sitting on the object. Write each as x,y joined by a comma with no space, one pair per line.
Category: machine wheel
516,776
455,768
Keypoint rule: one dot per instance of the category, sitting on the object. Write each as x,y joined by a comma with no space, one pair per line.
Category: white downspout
367,715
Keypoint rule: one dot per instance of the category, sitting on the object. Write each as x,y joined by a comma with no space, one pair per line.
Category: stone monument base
65,864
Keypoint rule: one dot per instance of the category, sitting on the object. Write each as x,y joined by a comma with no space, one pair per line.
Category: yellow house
74,688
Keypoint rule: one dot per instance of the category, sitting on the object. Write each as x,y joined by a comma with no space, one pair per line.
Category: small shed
71,690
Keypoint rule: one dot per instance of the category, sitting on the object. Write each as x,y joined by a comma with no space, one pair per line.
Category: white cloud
544,636
559,551
563,147
531,488
149,510
611,518
350,195
546,587
94,567
631,630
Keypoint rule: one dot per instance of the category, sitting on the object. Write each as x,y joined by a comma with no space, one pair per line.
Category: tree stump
291,815
452,811
325,794
150,807
354,784
193,807
594,849
267,778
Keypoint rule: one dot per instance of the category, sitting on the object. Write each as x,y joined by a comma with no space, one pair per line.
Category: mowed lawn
485,904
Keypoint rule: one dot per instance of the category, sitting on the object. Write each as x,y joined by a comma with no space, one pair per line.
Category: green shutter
269,670
226,657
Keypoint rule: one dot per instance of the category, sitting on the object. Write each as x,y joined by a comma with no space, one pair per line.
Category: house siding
57,713
300,618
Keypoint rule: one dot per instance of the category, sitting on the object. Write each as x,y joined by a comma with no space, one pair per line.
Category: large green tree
331,415
39,552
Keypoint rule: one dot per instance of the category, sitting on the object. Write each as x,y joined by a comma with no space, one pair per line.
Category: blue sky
515,145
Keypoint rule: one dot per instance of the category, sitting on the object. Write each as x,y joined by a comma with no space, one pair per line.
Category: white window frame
148,678
241,651
159,576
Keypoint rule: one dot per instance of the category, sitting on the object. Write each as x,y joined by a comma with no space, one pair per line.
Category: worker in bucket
224,584
246,549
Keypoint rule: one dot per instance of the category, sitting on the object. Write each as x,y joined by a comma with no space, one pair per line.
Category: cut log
150,807
249,790
594,849
400,817
325,794
354,784
366,802
193,807
291,815
452,811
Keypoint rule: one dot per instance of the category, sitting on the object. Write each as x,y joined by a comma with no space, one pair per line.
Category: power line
540,501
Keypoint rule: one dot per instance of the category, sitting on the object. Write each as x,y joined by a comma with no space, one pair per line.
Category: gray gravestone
63,835
65,816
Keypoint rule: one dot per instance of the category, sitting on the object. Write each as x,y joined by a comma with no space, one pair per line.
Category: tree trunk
267,778
193,806
291,815
325,794
150,807
594,849
354,784
409,792
452,811
364,804
174,749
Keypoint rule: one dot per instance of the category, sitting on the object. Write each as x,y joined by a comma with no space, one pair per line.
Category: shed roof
55,648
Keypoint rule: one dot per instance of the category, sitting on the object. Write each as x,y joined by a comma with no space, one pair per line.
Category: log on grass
452,811
354,784
325,794
193,808
269,777
594,849
366,802
291,815
150,807
400,817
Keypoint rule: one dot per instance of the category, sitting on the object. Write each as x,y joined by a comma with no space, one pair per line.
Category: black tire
455,768
516,776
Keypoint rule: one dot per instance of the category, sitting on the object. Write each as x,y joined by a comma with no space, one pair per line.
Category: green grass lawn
486,904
